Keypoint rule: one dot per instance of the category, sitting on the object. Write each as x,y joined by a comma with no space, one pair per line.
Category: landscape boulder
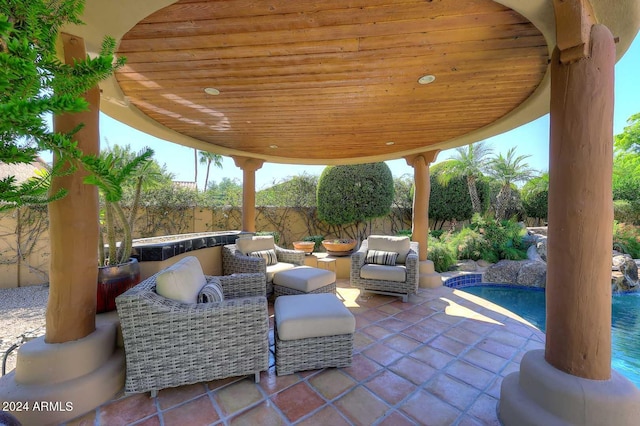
505,271
466,265
532,273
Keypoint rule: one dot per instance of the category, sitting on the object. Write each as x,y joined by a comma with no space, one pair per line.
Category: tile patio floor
437,360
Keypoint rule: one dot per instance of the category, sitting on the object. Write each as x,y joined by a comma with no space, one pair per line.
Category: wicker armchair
169,343
235,261
383,278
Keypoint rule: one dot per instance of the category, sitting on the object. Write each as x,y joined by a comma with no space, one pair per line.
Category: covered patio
439,359
332,83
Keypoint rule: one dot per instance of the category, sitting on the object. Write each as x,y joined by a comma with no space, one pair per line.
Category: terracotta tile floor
437,360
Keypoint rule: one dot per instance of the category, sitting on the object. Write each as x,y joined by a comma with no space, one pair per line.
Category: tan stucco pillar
249,167
571,381
73,226
581,211
420,218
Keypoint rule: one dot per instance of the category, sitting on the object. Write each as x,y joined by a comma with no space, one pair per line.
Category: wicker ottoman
303,280
312,331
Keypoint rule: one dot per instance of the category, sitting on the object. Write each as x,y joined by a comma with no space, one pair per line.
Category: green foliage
34,83
470,162
405,233
626,239
626,173
226,193
535,197
440,254
472,244
295,191
510,203
626,211
507,170
488,239
629,139
436,233
451,200
354,193
111,171
626,176
209,158
403,192
317,239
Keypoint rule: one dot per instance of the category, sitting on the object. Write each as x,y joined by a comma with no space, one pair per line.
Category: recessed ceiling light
273,146
211,91
426,79
389,143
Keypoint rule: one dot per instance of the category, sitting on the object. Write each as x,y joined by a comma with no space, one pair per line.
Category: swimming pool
529,303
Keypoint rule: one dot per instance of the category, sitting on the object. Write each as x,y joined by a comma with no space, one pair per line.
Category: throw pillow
181,281
380,257
268,255
401,245
212,292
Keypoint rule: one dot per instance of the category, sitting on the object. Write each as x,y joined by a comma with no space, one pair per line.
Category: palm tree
208,158
195,168
508,170
470,163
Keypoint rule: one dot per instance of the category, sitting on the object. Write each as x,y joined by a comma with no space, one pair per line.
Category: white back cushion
400,245
255,243
181,281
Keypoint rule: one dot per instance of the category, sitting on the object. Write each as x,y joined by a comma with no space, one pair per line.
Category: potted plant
117,270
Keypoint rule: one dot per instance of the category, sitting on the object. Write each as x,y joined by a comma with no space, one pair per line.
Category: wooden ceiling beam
574,19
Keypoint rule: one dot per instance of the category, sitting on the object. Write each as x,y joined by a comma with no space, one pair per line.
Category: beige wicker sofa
248,255
172,343
387,265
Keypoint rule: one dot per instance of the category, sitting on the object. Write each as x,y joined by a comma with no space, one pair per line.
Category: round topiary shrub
354,193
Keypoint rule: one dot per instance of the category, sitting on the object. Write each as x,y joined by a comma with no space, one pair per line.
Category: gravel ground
22,317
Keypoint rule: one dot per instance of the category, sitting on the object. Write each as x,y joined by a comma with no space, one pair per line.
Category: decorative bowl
305,246
339,247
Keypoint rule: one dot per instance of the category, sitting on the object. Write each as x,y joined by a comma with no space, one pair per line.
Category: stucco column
73,226
571,381
581,211
249,167
420,215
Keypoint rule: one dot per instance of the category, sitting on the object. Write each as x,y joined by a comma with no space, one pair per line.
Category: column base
428,277
60,381
540,394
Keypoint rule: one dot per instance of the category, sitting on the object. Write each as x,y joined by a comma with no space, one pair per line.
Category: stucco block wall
24,248
24,236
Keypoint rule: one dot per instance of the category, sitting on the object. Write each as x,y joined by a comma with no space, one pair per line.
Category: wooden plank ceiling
338,79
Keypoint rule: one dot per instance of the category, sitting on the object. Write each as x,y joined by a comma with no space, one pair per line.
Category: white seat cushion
304,278
255,243
400,245
278,267
181,281
312,315
396,273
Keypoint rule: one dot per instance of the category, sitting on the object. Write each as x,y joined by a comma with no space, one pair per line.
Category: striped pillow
380,257
268,255
212,292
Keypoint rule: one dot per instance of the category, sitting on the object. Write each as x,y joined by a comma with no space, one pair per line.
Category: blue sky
531,139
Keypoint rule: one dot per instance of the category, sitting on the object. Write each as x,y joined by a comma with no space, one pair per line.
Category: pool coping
474,279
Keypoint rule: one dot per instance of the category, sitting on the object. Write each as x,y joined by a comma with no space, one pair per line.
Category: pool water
625,320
